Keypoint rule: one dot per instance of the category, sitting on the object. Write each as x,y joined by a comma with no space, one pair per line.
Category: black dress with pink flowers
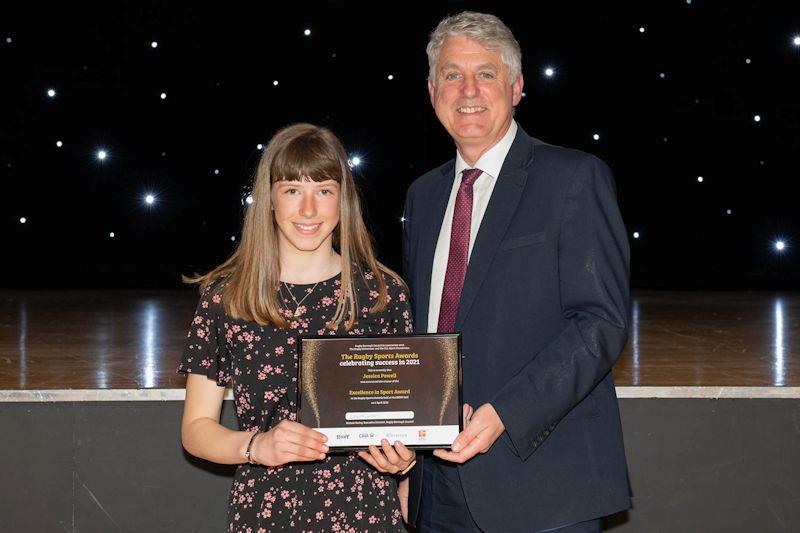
341,493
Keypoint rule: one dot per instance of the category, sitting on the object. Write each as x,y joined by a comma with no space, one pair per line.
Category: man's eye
487,75
451,76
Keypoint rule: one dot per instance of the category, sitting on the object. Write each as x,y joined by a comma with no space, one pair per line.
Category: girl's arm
203,436
402,495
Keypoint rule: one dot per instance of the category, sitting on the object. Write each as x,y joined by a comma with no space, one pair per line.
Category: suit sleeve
593,258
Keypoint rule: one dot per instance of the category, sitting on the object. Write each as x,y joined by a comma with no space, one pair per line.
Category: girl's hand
389,459
289,442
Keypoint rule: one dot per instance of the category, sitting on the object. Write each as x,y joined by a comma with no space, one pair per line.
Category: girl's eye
325,192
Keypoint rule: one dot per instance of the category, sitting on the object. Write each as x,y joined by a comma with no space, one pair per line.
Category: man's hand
483,428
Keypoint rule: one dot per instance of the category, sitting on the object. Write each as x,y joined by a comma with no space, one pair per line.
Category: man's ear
516,90
431,91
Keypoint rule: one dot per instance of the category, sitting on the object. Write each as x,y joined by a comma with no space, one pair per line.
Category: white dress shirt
490,163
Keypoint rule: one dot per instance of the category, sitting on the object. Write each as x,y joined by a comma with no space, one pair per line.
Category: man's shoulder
564,156
427,180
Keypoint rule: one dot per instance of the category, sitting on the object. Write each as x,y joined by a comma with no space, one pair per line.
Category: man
518,245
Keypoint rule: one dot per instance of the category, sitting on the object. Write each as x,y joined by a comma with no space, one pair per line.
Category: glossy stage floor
90,407
132,340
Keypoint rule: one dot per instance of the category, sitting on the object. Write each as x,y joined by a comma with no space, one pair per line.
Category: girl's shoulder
213,294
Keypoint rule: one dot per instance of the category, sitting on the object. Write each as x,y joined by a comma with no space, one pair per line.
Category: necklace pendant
297,313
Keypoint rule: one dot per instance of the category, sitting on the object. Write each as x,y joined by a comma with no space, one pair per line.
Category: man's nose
469,88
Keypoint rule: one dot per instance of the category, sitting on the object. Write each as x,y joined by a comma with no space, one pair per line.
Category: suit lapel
502,206
433,219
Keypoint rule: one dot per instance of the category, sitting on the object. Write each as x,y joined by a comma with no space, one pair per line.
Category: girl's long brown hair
297,152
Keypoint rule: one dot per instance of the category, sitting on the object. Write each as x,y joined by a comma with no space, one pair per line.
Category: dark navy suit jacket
544,316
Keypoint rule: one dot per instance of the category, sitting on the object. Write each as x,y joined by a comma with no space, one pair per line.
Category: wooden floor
133,339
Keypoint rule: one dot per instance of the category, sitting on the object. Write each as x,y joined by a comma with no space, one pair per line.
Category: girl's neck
301,267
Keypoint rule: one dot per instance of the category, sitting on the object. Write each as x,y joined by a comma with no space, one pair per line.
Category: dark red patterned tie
459,252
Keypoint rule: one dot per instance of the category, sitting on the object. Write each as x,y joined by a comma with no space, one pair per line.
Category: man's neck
471,154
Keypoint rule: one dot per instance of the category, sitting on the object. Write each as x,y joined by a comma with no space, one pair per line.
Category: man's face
473,96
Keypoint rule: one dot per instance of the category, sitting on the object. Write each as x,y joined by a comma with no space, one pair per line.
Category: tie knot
469,176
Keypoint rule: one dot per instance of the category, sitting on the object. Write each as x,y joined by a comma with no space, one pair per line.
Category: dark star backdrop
671,89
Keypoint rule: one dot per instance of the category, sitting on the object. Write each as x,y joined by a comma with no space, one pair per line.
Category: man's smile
471,110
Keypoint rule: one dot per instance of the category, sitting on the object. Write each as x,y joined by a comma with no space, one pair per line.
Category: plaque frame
303,410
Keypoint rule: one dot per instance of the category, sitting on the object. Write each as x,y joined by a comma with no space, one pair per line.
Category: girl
304,266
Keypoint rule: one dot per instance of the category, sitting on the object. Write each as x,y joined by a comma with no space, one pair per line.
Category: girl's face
306,213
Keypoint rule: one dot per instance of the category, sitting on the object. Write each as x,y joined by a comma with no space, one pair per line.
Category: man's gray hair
488,30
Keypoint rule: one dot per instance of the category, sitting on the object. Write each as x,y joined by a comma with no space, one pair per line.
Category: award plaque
359,390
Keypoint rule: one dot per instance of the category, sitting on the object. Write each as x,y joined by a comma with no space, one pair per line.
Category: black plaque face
359,390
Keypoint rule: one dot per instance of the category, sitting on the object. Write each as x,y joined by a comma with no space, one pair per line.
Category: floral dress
340,493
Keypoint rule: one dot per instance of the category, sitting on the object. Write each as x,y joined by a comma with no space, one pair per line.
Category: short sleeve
205,351
399,307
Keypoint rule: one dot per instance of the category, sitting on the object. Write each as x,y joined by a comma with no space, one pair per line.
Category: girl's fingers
296,427
296,452
308,442
405,454
390,453
366,457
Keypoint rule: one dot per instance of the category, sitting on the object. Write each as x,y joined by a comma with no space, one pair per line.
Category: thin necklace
296,303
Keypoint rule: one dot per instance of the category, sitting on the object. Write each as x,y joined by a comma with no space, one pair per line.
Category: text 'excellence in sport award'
359,390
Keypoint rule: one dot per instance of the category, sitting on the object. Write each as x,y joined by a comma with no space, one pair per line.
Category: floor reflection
779,377
133,339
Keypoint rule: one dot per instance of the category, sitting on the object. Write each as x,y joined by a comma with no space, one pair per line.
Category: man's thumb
463,438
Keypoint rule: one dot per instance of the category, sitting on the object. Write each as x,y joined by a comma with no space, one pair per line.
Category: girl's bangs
306,159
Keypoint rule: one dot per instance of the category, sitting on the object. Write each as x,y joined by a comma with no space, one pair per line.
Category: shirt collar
492,161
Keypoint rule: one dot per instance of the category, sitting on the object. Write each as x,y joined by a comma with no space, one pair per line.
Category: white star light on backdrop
355,161
233,237
22,220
